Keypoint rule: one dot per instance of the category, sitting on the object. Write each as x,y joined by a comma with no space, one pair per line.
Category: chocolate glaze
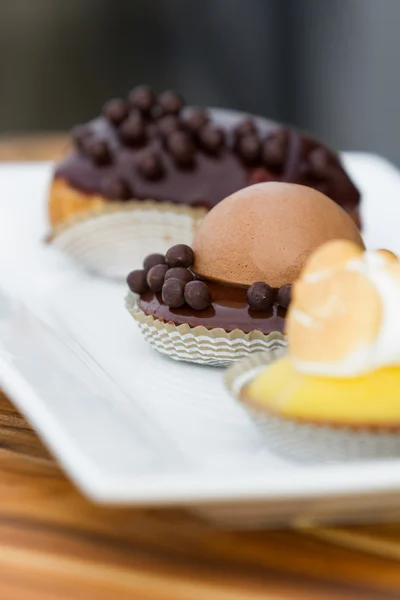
211,177
229,310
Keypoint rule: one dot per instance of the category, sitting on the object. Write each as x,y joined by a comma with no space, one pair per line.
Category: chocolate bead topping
133,131
211,138
80,134
259,175
245,127
284,295
195,119
168,124
155,277
274,149
152,260
173,292
318,160
180,273
137,281
143,98
260,296
197,295
98,151
180,255
150,165
249,148
116,111
181,147
131,138
116,188
170,103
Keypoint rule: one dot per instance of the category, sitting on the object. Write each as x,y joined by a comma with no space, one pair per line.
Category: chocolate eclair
227,296
142,174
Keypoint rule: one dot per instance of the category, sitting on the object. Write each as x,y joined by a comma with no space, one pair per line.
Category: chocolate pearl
155,277
260,175
274,149
143,98
167,125
80,134
98,151
284,295
173,292
137,282
195,119
152,260
211,138
249,148
179,255
245,127
116,188
197,295
180,273
133,131
181,147
170,103
260,296
304,169
318,162
116,111
150,165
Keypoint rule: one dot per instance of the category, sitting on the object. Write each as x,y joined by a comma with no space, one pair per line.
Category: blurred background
328,66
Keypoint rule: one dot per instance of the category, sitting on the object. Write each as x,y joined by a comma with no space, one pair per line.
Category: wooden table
54,544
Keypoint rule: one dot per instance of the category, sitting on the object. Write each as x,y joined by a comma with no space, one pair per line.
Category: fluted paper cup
113,239
214,347
309,442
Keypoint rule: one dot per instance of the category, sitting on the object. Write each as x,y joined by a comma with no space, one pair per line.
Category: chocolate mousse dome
266,232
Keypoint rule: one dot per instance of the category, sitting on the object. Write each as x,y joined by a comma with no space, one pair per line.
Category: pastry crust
66,202
214,347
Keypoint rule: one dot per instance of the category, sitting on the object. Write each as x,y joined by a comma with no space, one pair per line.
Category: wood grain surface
31,147
55,544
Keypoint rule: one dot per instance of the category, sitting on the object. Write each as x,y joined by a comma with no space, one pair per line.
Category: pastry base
311,441
112,238
214,347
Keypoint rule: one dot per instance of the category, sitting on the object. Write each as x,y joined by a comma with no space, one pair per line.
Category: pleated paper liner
214,347
305,442
114,238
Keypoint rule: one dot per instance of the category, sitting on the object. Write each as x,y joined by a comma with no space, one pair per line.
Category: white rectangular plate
131,426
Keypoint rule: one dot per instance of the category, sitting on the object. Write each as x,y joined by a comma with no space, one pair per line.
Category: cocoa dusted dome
266,232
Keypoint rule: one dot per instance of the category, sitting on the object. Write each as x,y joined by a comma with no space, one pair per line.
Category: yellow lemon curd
372,399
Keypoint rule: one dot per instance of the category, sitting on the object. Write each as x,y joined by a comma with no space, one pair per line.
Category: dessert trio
238,237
